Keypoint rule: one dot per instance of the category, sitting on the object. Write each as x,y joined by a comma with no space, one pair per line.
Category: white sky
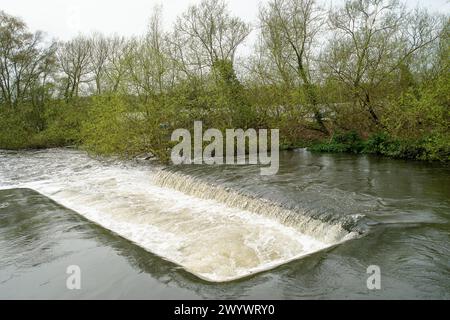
64,19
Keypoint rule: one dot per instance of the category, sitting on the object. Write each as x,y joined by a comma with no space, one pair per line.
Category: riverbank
103,126
433,148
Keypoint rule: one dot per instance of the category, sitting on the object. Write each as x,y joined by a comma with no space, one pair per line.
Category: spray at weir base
235,147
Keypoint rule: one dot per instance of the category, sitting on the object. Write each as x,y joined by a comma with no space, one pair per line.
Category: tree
372,41
99,56
116,69
206,33
289,35
24,61
74,60
148,61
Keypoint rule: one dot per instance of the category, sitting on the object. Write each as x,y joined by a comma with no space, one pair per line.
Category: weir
215,233
324,231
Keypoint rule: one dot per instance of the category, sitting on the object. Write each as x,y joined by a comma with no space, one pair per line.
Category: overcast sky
63,19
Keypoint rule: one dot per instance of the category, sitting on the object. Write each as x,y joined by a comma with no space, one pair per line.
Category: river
140,230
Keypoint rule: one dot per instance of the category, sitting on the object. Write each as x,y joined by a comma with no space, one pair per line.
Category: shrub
341,142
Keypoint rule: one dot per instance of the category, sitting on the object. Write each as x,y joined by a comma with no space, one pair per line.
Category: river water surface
138,230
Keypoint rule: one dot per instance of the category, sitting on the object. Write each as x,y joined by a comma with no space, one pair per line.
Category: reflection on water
403,207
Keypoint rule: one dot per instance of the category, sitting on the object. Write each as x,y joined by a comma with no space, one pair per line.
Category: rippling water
313,229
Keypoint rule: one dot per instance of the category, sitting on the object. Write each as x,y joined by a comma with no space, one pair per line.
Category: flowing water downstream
138,230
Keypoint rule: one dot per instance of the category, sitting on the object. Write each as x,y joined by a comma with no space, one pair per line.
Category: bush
104,131
115,126
15,132
63,123
431,148
341,142
376,143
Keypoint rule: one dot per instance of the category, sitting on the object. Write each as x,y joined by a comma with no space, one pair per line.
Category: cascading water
213,232
329,233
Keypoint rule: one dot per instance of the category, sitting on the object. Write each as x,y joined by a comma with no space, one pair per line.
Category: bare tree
372,39
148,60
289,29
206,33
24,60
74,60
116,68
99,56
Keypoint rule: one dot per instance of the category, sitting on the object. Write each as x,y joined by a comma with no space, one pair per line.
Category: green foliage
115,127
414,116
377,143
341,142
431,148
104,131
63,123
54,124
228,99
15,133
118,96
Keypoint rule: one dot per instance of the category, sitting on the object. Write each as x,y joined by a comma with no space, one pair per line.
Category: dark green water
403,208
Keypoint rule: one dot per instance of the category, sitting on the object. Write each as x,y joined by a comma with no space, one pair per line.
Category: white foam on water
215,241
4,205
